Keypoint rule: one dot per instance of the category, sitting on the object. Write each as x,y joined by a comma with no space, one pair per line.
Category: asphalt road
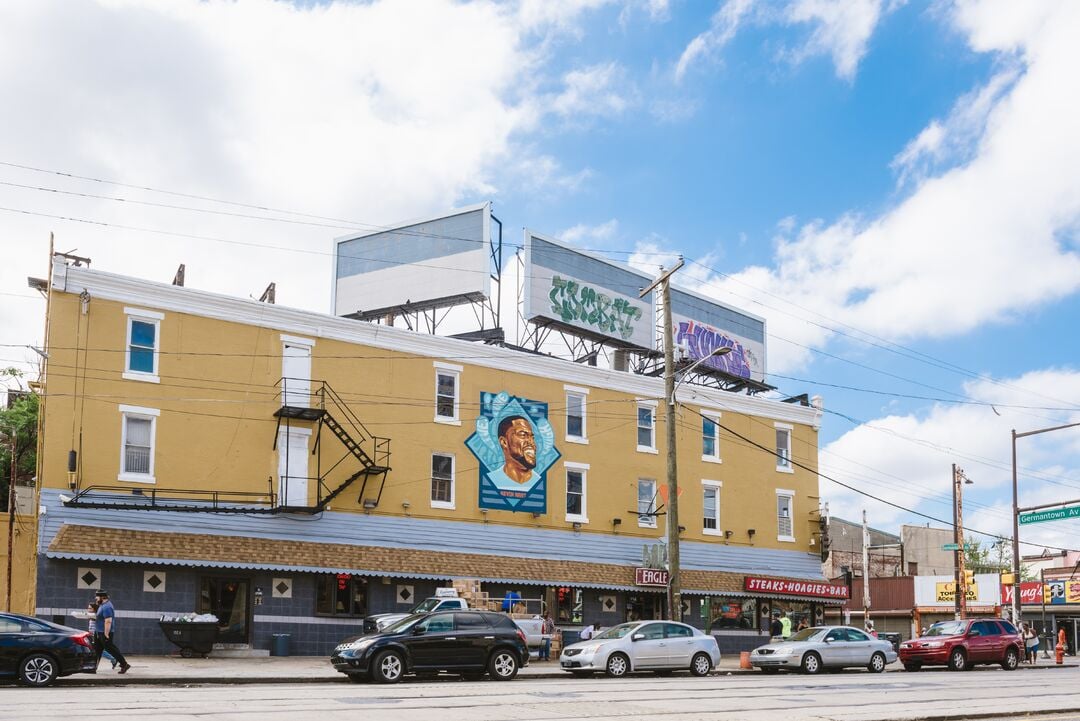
849,696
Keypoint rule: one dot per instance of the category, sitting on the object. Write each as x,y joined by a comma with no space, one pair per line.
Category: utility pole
11,519
674,580
960,594
865,569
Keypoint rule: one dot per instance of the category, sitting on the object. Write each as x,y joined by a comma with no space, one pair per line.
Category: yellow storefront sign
946,592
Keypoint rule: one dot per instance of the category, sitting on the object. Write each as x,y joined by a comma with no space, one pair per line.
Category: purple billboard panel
702,325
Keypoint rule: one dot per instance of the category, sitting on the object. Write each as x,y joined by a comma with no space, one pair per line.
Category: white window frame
154,318
790,495
651,520
583,394
714,485
783,463
452,504
583,469
651,405
714,416
449,369
150,414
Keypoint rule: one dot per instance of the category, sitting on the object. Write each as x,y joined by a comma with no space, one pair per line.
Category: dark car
37,652
471,643
964,644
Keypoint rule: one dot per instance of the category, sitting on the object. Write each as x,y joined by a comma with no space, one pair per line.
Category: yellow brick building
292,471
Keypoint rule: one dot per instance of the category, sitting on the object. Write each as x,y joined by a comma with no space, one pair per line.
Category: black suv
467,642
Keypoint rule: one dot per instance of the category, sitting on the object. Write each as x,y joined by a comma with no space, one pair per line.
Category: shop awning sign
650,577
792,587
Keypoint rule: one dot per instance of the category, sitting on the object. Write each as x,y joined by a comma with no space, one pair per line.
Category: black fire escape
304,402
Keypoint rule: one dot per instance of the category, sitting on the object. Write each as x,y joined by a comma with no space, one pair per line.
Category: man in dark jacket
776,628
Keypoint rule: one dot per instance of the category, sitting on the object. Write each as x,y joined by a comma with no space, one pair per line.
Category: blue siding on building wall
426,534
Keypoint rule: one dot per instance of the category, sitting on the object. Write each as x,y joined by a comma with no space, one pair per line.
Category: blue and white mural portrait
515,445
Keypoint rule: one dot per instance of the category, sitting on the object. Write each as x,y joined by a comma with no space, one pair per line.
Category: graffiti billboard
586,294
515,445
423,264
701,325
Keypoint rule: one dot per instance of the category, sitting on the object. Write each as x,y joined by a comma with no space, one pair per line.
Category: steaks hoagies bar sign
790,587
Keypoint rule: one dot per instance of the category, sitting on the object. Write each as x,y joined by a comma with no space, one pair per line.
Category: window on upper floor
646,502
646,427
137,435
442,480
340,594
143,344
783,448
575,414
447,393
710,437
576,490
710,521
785,509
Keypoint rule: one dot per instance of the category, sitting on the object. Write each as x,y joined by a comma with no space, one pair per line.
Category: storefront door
644,606
226,598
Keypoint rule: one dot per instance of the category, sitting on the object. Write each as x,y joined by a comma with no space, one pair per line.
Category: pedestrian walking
785,625
91,612
870,629
776,628
106,630
548,630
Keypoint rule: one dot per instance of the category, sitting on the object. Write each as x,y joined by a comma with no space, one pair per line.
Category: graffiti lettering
701,340
572,301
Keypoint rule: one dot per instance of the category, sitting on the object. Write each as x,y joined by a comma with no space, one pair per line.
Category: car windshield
426,605
806,634
946,628
404,624
617,631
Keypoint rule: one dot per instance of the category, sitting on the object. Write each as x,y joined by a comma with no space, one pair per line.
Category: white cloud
918,451
977,243
599,90
841,29
722,28
582,233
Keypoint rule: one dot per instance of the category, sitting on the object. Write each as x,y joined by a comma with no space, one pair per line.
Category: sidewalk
312,669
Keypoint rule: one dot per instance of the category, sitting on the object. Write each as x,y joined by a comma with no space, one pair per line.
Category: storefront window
799,613
341,594
732,614
569,605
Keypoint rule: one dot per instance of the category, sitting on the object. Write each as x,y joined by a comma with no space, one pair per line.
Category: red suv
963,644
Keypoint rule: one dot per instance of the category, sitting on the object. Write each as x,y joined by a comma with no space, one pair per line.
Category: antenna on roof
178,279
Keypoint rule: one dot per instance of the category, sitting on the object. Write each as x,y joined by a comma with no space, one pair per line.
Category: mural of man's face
519,445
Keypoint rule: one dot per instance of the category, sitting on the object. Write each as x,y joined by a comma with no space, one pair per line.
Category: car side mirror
418,630
637,637
829,640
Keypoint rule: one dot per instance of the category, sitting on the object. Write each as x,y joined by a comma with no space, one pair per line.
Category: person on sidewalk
586,633
785,625
776,628
91,612
106,630
1031,643
548,631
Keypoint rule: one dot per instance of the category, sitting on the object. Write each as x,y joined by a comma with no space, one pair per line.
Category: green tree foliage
18,422
991,558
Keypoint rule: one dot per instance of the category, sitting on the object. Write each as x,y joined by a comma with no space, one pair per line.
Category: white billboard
701,325
430,263
586,294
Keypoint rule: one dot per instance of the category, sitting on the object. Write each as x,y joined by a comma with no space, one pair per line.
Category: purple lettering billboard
702,325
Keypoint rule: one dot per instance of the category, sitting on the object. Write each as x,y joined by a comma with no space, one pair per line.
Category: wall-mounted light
682,529
577,525
536,515
750,532
616,521
406,505
727,534
369,503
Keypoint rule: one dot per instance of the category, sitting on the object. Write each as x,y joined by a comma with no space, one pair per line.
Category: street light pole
1016,516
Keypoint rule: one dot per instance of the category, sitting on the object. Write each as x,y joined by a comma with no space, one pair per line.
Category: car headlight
356,645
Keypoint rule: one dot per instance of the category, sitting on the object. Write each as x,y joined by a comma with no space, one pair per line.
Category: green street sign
952,547
1053,514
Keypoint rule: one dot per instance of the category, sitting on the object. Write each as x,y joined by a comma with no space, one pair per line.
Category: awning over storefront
95,543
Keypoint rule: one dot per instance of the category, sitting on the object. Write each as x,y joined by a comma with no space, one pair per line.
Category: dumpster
194,638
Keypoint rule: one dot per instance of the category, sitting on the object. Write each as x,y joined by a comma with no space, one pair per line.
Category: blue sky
901,172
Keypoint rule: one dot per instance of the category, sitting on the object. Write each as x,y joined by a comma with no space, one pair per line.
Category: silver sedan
813,649
643,646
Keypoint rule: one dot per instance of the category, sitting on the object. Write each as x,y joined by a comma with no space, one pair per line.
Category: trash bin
280,646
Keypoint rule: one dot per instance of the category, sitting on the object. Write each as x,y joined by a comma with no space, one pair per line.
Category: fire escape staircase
299,404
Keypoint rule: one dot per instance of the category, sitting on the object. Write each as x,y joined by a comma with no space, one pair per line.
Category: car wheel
701,664
389,667
618,665
877,663
811,663
1012,660
912,667
503,665
38,670
957,660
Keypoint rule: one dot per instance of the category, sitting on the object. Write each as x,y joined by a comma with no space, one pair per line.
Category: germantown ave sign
1054,514
790,587
650,577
